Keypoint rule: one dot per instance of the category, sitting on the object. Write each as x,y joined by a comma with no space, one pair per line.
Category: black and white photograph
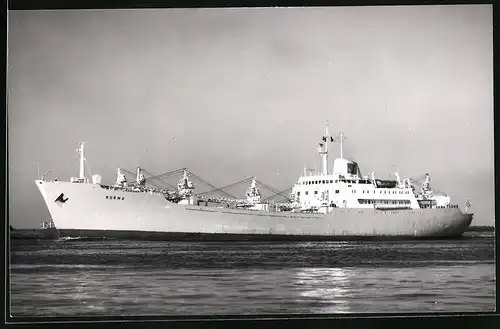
250,161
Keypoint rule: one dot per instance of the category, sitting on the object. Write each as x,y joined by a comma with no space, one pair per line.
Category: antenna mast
82,161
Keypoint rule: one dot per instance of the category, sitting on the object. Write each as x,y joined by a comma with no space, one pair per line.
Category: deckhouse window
337,191
307,192
315,192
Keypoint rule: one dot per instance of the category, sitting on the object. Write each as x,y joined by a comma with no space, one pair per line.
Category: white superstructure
345,187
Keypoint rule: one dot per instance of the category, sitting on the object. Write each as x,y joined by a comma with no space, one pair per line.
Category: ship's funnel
346,168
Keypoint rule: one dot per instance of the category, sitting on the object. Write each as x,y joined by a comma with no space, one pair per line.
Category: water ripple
74,278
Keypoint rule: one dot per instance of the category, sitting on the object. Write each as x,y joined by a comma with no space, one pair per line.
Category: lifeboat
391,207
386,183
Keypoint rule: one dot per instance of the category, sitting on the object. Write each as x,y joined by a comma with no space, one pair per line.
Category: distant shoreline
51,233
481,229
33,233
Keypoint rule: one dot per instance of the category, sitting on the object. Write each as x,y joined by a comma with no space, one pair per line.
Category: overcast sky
230,93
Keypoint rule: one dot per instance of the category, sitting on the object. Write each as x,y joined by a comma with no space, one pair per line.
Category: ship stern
459,226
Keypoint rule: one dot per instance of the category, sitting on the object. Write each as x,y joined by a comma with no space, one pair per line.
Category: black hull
173,236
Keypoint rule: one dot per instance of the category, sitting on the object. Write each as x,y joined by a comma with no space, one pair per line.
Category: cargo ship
336,203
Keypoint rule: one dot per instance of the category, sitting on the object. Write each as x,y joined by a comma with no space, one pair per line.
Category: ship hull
92,211
227,237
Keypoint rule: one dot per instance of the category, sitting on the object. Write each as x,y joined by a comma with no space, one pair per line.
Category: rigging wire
152,177
229,186
159,183
276,194
170,173
207,183
272,189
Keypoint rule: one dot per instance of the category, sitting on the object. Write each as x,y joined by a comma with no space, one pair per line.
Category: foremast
81,178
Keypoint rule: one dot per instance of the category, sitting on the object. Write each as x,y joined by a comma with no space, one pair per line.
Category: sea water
111,277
